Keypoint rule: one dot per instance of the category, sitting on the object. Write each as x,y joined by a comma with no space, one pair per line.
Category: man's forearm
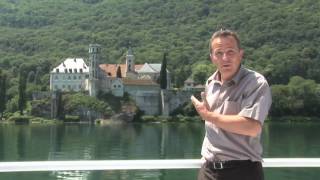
234,123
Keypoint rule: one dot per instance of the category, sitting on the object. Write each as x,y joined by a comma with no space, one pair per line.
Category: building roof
189,80
150,68
111,69
199,86
71,65
140,82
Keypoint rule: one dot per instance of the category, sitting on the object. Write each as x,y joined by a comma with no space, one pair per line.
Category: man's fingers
204,100
193,99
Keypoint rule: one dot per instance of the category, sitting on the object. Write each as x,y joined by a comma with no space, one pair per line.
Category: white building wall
68,81
70,75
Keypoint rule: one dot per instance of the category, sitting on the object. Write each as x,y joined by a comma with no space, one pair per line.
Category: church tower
130,61
94,58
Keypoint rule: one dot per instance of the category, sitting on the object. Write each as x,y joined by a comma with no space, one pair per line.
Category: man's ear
211,57
241,53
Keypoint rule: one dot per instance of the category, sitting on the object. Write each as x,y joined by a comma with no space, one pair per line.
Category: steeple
130,61
94,58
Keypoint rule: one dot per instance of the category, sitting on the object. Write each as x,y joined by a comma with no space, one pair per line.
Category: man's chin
227,74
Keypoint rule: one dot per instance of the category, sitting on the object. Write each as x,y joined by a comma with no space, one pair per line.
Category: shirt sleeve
256,101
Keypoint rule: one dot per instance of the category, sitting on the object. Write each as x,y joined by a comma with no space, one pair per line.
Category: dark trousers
244,171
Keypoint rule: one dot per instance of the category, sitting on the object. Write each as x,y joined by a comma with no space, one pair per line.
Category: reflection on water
142,141
70,175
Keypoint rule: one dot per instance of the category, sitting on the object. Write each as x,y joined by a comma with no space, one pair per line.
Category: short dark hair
224,33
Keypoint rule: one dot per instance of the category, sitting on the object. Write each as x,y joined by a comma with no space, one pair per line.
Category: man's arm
232,123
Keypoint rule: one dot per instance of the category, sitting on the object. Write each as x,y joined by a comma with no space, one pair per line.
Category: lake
37,142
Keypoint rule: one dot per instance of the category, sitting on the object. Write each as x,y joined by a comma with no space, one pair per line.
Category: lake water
38,142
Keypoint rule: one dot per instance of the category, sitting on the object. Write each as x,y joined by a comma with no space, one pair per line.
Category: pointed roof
150,68
129,52
189,80
146,68
157,67
72,65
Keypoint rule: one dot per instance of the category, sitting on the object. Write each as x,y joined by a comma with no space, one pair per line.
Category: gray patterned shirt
248,95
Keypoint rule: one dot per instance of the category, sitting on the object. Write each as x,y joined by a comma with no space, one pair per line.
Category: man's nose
224,56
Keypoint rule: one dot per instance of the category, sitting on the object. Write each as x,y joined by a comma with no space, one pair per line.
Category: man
234,106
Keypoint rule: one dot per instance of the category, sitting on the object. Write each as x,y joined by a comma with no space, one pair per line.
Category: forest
280,38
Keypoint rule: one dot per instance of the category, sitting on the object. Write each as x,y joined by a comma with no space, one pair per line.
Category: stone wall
152,103
148,102
180,97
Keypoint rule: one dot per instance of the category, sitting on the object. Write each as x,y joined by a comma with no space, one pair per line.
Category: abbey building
140,81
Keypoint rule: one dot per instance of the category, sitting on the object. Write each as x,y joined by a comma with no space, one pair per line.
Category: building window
81,71
75,70
57,70
66,70
70,70
74,77
63,86
56,87
114,86
119,86
80,77
69,77
56,77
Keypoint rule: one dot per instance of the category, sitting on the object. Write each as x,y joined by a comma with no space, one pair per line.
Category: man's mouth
226,65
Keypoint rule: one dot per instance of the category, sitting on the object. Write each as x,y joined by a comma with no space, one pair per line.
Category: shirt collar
235,80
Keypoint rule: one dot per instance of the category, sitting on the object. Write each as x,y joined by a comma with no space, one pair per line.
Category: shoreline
145,119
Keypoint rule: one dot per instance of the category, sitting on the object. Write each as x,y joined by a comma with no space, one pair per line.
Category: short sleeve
256,101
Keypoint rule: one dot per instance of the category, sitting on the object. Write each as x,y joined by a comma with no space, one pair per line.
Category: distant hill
281,37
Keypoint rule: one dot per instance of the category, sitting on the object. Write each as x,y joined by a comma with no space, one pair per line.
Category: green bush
148,118
70,118
20,119
294,119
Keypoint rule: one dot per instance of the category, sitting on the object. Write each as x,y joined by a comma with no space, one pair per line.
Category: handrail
139,164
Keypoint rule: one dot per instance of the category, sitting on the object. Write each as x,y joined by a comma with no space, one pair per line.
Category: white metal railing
139,164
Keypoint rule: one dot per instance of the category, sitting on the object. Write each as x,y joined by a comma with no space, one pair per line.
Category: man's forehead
227,42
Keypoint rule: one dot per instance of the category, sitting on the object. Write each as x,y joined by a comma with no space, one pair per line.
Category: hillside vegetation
280,37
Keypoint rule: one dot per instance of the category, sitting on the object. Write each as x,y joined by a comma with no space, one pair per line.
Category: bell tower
130,61
94,58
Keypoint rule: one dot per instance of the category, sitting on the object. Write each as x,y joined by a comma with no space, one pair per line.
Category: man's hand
201,106
232,123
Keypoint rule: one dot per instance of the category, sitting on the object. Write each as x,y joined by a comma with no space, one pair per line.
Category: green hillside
281,37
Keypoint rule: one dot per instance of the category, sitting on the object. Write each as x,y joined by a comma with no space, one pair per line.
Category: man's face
227,56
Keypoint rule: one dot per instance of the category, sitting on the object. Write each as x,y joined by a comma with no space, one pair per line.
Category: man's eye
230,52
218,53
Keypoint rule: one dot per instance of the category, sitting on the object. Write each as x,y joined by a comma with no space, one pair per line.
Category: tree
299,97
22,90
3,79
119,75
31,77
60,113
201,72
163,72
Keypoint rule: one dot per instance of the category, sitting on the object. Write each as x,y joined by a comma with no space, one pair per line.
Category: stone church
140,81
